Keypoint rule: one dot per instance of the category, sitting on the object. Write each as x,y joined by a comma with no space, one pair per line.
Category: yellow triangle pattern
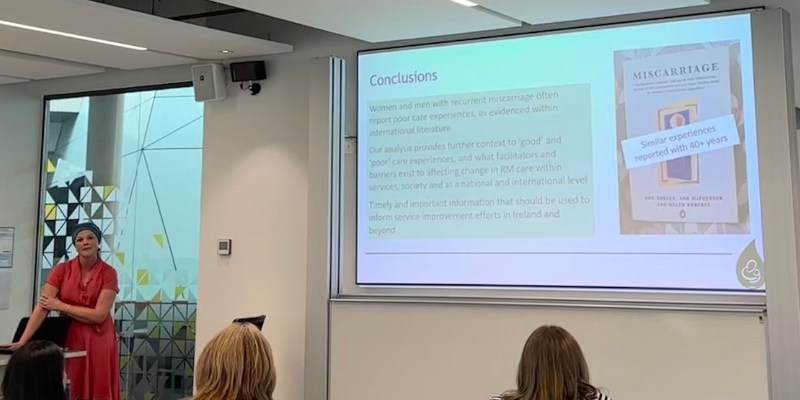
50,212
159,239
107,190
180,292
121,257
143,277
158,297
151,314
51,168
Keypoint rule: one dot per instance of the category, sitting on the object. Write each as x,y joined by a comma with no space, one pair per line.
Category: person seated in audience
552,367
36,372
236,365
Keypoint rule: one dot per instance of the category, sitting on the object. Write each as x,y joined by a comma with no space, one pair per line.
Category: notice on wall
6,247
5,288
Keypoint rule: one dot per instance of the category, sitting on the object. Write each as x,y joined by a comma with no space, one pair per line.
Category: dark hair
35,372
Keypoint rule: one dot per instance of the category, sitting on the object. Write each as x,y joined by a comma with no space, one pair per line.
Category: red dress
96,376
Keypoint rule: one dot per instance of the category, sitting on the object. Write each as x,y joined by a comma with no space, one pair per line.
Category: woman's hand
51,303
12,346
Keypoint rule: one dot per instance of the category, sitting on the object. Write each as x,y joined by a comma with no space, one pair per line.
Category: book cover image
687,190
683,170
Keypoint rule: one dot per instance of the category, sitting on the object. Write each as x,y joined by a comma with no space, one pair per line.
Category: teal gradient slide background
495,163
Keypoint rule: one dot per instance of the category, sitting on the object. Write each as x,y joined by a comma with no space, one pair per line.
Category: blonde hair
552,367
236,365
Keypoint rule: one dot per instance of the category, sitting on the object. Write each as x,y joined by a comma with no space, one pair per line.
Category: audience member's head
552,367
35,372
236,365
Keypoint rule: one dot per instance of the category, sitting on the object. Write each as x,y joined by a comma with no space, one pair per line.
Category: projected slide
621,158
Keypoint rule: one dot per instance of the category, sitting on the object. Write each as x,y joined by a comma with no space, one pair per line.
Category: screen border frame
710,300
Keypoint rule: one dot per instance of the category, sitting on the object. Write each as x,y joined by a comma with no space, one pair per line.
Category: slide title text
403,79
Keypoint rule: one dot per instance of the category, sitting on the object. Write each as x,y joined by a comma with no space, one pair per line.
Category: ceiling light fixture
226,51
71,35
465,3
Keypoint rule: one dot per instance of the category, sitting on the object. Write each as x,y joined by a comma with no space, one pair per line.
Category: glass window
131,163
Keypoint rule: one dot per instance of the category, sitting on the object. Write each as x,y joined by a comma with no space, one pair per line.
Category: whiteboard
459,352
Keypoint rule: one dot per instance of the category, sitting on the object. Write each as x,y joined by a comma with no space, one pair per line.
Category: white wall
456,352
19,174
255,184
256,188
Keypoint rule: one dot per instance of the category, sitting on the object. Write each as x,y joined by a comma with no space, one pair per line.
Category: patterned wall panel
69,204
157,348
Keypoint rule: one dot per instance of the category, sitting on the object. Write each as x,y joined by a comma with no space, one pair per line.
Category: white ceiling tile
41,55
34,67
379,20
162,35
5,80
79,51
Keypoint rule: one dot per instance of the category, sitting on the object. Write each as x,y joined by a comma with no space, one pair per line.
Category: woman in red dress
84,288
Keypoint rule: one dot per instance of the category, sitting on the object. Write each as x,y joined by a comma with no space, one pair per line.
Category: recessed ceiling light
71,35
226,51
465,3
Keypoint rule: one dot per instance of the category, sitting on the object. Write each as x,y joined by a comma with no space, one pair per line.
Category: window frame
45,121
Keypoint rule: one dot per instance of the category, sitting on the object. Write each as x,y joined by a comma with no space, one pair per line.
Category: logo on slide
750,267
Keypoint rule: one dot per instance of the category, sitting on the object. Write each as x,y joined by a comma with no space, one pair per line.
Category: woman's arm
38,315
95,315
75,317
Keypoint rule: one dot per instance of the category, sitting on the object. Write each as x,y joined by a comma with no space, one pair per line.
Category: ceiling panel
33,67
549,11
79,51
379,20
161,35
5,80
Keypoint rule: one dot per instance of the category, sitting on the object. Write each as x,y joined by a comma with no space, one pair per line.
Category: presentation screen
618,158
